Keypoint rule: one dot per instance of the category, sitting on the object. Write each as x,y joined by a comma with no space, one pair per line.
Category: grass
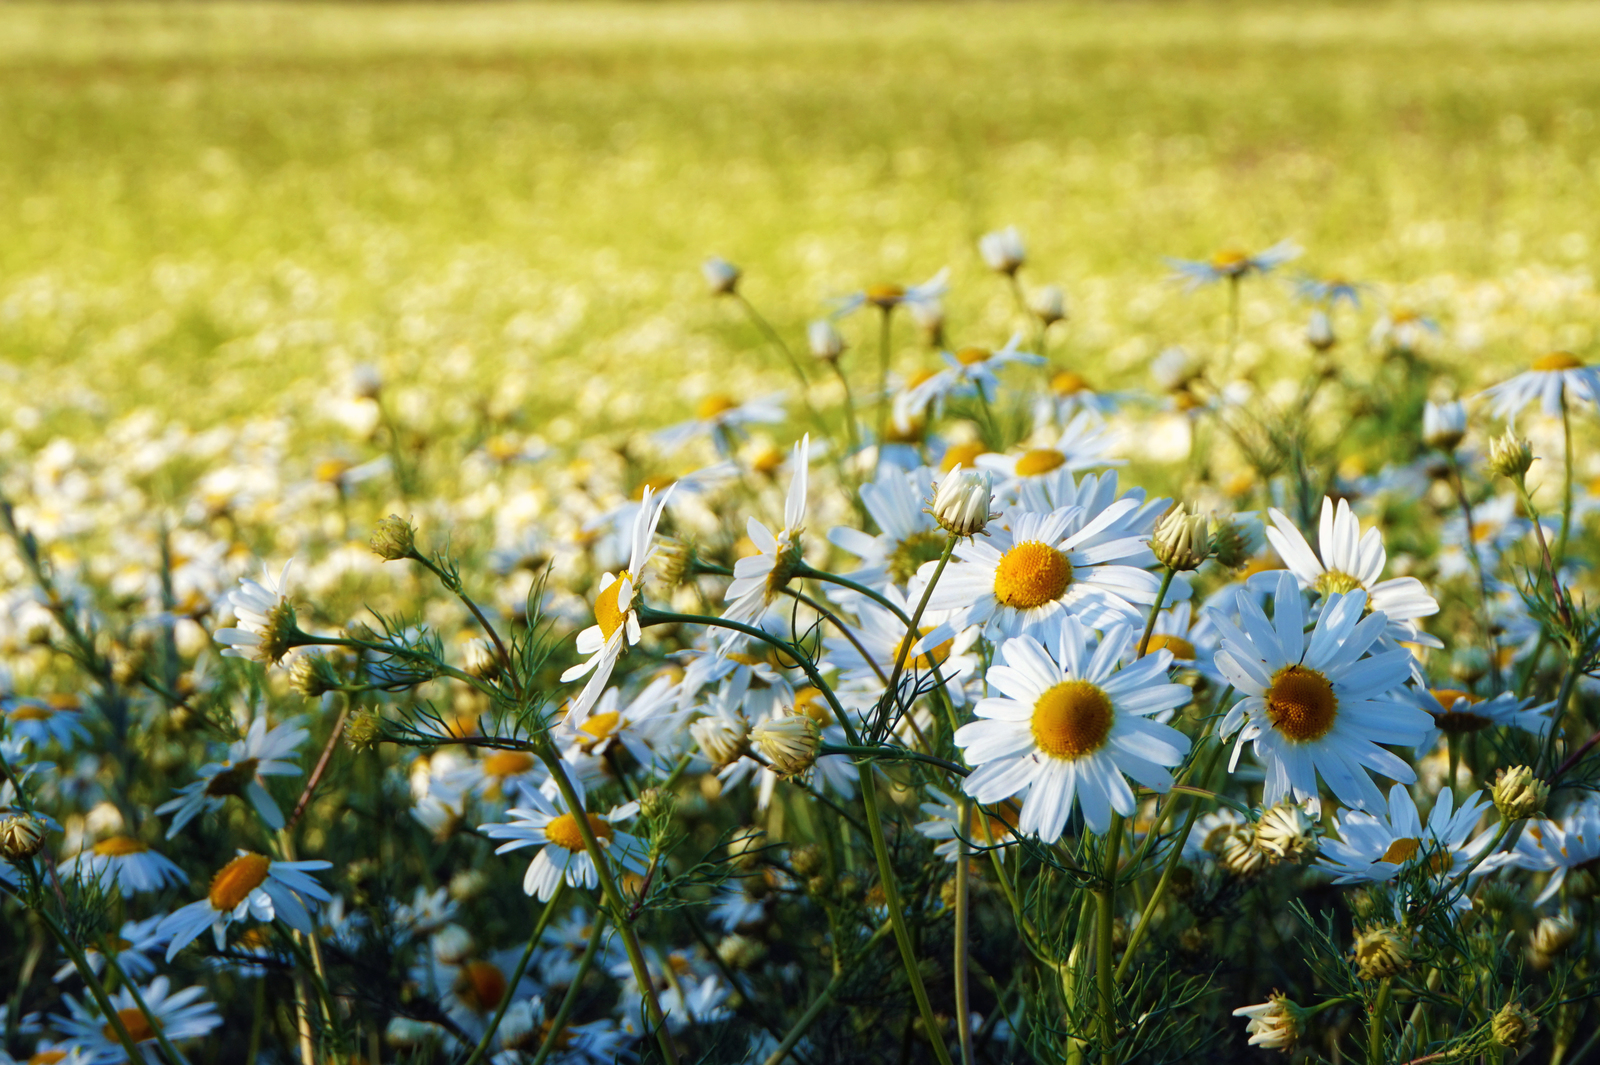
215,209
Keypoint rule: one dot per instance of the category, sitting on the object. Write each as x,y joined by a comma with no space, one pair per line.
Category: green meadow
213,210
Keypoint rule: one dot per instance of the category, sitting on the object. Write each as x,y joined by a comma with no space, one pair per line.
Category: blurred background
215,211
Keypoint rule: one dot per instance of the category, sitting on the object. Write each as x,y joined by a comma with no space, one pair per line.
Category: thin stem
1155,609
1562,609
891,694
172,1053
884,332
559,1022
891,753
818,1004
1566,487
1104,975
1477,567
321,767
851,429
963,1006
891,898
453,584
81,963
516,977
1375,1023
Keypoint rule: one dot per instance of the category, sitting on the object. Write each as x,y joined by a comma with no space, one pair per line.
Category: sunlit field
810,532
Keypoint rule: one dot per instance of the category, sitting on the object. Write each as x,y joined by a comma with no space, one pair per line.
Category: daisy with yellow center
126,864
616,624
251,885
262,753
647,725
179,1015
1084,443
877,644
39,721
562,856
1069,724
971,371
137,943
1071,394
759,579
993,826
1375,845
1034,569
1347,560
1317,702
887,295
1555,380
723,419
1230,264
1460,713
908,537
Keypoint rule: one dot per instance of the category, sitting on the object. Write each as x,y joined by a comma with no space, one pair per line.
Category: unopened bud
1512,1026
1319,332
722,277
1003,250
1552,935
1444,425
826,342
1182,540
1381,951
790,743
655,804
1286,831
21,837
723,740
1229,546
394,539
740,952
312,675
1509,456
1049,304
1518,793
961,502
1275,1024
1239,854
468,884
364,731
807,861
675,561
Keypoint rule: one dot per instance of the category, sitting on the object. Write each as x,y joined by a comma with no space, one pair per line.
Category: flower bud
1239,855
1274,1024
675,561
468,884
961,502
1552,935
723,740
808,860
1182,541
21,837
1049,304
1518,793
1003,250
1319,332
655,804
1229,546
790,743
1287,831
313,676
452,944
1444,424
1509,456
740,952
722,277
1512,1026
826,342
394,539
366,381
1380,952
364,731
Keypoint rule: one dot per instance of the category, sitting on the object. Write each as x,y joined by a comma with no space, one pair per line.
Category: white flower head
562,855
251,885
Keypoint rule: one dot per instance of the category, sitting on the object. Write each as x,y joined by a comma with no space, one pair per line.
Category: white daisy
260,754
561,852
760,578
907,534
1553,380
136,944
647,724
1316,702
1496,528
1350,560
992,827
1376,845
181,1016
888,296
1036,568
1084,443
126,864
1068,727
971,371
252,885
881,636
1546,846
266,619
1071,394
1193,645
41,720
723,419
616,623
1461,713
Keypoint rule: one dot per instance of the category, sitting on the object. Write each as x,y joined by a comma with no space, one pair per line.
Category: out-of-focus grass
213,209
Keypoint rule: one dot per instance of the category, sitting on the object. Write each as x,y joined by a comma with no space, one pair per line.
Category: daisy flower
252,885
1553,380
54,717
882,635
1329,290
527,1023
760,578
136,943
1546,846
1460,713
260,754
1035,568
180,1016
992,827
1375,845
1068,725
723,418
561,852
1230,264
1402,330
1349,561
124,863
1496,528
646,724
971,371
1084,443
907,534
1316,702
1192,643
888,296
1071,394
1003,250
266,619
616,623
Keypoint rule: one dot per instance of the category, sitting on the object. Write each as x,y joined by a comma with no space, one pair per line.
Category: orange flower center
503,764
1031,574
928,659
563,831
120,847
963,455
1179,647
31,713
1072,719
713,405
138,1028
1040,460
1456,717
885,295
1301,704
973,356
608,613
1558,360
480,986
1067,383
50,1057
234,881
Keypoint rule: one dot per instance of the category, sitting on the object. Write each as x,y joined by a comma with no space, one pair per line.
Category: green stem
1566,488
1477,568
851,429
96,989
1375,1023
884,330
172,1053
1155,609
891,695
818,1004
963,1007
891,753
516,977
559,1022
1104,975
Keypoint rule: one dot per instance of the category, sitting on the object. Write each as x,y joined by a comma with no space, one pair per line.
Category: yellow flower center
50,1057
767,460
885,295
1301,704
503,764
608,612
1229,260
231,781
328,471
120,847
809,701
655,484
600,726
563,831
1456,717
1401,851
1481,531
480,986
1039,460
1072,719
1031,574
234,881
973,356
963,455
911,432
1179,647
1260,564
1558,360
1334,582
31,713
909,554
929,658
138,1028
713,405
1067,383
919,377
